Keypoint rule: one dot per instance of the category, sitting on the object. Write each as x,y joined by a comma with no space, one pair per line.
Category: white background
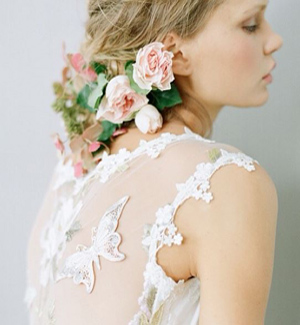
31,36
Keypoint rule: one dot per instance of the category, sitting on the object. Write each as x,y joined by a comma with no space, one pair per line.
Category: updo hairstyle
117,29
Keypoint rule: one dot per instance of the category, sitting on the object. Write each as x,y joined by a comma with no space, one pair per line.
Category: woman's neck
131,139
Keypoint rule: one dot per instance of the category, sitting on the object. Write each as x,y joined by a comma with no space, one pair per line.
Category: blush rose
120,102
153,67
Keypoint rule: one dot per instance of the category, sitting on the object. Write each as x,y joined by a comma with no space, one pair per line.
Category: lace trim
119,162
65,174
105,242
164,231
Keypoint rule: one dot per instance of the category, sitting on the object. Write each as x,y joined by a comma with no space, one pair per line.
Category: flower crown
96,106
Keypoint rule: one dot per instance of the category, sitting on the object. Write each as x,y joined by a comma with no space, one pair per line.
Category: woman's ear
181,62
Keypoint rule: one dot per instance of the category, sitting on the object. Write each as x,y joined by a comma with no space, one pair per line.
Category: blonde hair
117,29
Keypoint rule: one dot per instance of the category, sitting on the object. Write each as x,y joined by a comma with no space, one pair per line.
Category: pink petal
94,146
77,62
90,74
58,143
119,132
78,169
59,146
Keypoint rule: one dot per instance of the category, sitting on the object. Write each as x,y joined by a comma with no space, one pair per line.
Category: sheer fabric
92,253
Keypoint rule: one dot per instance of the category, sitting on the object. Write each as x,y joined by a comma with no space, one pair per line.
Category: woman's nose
274,43
278,42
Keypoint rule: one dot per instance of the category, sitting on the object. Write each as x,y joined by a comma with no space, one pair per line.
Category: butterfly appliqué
105,242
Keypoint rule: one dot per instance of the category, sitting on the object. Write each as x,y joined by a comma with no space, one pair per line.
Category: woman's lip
270,70
268,78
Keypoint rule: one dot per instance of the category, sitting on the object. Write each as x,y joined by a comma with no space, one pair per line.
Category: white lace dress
92,253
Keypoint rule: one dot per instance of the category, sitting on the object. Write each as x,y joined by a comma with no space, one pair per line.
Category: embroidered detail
238,158
214,154
155,318
105,242
54,237
65,174
50,313
146,237
119,161
164,231
29,296
74,228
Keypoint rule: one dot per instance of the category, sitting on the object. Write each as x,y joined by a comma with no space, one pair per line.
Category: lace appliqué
65,173
164,232
119,161
46,310
55,236
105,242
50,314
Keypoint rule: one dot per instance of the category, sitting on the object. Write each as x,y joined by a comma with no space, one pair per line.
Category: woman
160,225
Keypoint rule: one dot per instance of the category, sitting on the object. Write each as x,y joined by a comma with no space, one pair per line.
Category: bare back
105,249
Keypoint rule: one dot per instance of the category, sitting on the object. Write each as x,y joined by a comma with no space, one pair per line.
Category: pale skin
231,243
223,65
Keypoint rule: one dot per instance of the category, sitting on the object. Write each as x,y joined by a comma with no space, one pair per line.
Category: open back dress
92,252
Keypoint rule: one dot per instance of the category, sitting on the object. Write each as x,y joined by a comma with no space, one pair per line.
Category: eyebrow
261,7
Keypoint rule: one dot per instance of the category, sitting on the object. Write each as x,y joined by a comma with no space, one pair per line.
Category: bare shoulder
232,242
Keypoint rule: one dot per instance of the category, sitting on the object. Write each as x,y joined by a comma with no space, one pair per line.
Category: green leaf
98,68
128,63
97,93
108,129
133,85
214,154
58,105
58,88
167,98
83,96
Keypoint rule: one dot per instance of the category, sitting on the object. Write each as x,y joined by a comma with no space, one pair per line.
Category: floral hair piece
96,106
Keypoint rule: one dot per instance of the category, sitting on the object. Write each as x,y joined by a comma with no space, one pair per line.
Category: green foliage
99,68
108,129
97,93
59,105
65,103
76,108
83,97
128,63
72,125
58,89
167,98
133,85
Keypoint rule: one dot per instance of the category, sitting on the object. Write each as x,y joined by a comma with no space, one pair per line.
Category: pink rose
120,102
153,67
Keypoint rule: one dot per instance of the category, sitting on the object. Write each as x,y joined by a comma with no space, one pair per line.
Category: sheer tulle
92,254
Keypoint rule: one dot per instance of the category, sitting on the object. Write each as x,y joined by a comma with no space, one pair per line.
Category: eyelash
251,29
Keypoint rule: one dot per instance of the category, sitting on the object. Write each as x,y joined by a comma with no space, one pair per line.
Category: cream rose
120,101
148,119
153,67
